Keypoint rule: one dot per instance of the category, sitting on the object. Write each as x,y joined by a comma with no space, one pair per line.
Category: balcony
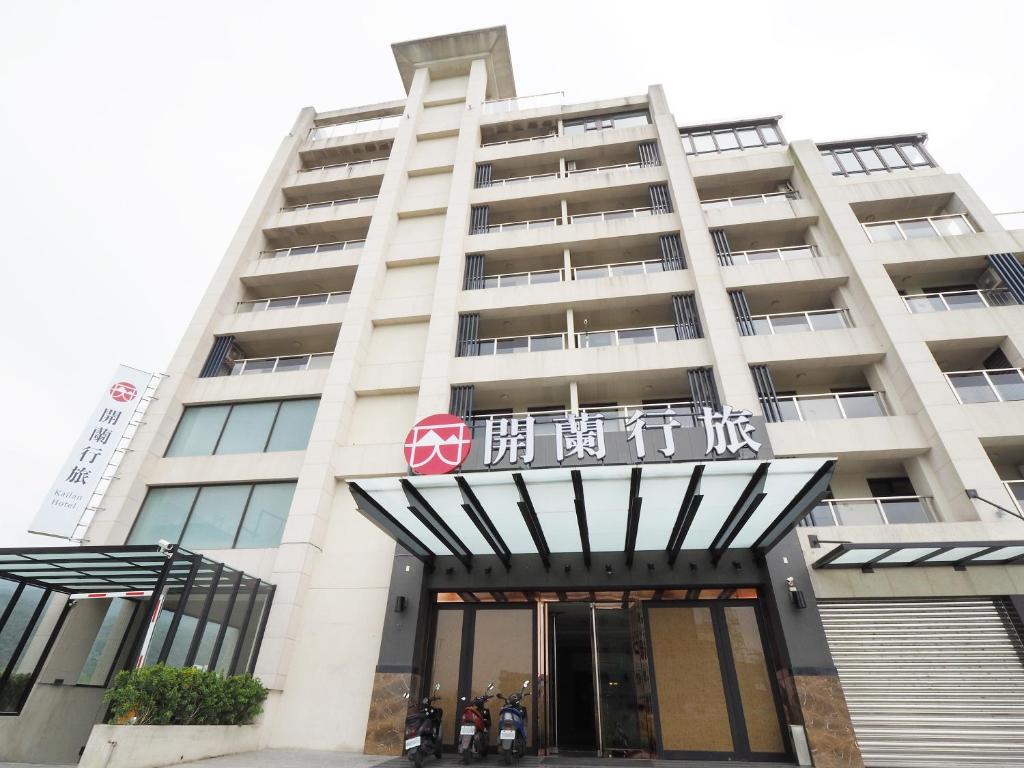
520,103
293,302
286,364
619,269
800,322
859,158
622,337
946,225
787,253
876,510
518,226
509,345
1016,490
947,301
618,215
833,405
319,248
743,200
987,385
338,130
605,122
329,203
351,164
727,137
516,279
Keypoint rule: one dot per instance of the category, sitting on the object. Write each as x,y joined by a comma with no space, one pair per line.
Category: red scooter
475,727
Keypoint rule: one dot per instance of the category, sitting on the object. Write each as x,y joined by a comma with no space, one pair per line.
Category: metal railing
614,418
1016,490
873,510
624,213
740,200
945,301
558,175
924,226
1011,219
515,226
551,135
987,385
519,103
619,337
506,345
606,168
329,203
356,126
833,405
800,322
292,302
510,279
306,250
343,165
284,364
520,179
618,269
789,253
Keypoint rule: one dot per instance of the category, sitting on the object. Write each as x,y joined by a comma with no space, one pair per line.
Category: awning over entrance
958,554
715,506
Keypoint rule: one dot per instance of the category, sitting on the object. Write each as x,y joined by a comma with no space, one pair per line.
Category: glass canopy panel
906,555
662,489
783,482
721,486
1002,554
607,497
859,556
956,553
553,501
499,498
394,501
446,499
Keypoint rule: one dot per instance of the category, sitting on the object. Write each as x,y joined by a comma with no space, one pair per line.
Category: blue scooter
512,726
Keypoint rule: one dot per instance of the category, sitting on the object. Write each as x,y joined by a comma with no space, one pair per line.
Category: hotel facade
736,469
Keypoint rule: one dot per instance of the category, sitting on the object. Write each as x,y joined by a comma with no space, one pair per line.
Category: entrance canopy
715,506
958,554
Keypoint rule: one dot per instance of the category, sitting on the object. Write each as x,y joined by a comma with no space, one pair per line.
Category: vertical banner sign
68,498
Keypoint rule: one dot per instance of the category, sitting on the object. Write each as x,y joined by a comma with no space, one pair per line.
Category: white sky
133,136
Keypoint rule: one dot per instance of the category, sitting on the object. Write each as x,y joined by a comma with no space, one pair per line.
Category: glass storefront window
198,431
202,430
247,428
163,515
266,515
293,425
215,517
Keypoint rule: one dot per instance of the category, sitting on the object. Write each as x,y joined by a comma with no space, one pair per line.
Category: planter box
151,746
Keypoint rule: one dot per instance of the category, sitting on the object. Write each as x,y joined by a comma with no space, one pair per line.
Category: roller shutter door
931,682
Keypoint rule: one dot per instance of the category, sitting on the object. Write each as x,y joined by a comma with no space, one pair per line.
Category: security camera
164,546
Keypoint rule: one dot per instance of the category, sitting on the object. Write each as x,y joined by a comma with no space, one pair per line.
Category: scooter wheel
417,759
506,756
437,753
465,757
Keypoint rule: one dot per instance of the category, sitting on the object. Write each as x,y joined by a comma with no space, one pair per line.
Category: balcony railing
519,103
801,322
520,179
789,253
1016,489
621,337
995,385
511,279
551,135
925,226
878,510
508,345
619,269
603,168
625,213
343,165
735,202
292,302
329,203
614,417
834,405
286,364
515,226
356,126
307,250
920,303
1011,219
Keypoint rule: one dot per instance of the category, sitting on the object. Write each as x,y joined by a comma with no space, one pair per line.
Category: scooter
423,728
475,730
512,725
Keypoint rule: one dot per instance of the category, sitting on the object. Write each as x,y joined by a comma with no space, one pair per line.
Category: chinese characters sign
68,498
645,435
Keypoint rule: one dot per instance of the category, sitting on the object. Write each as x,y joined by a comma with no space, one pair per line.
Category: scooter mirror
437,686
526,684
462,698
490,687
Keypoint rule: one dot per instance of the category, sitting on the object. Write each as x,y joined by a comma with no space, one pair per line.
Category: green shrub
160,695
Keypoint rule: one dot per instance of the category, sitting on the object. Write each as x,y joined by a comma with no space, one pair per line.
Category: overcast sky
133,135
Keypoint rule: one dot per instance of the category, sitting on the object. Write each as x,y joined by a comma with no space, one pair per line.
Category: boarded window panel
447,657
759,711
502,653
692,711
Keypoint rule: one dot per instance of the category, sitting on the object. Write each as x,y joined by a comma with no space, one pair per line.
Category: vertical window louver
672,256
722,249
687,319
461,402
741,309
703,390
478,215
467,342
660,200
483,175
1009,268
766,394
474,274
217,360
649,154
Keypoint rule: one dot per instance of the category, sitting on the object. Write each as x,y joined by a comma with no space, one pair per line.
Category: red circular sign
123,391
437,444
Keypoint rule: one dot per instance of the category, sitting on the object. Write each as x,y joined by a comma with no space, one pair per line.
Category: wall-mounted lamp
795,595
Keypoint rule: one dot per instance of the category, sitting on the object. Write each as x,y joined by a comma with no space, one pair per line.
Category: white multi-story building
744,425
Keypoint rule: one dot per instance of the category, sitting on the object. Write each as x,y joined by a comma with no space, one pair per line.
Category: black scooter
423,728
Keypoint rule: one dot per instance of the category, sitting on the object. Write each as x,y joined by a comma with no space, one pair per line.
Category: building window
236,516
854,160
726,138
272,425
604,122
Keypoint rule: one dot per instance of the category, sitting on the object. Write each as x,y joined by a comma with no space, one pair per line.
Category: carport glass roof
958,554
